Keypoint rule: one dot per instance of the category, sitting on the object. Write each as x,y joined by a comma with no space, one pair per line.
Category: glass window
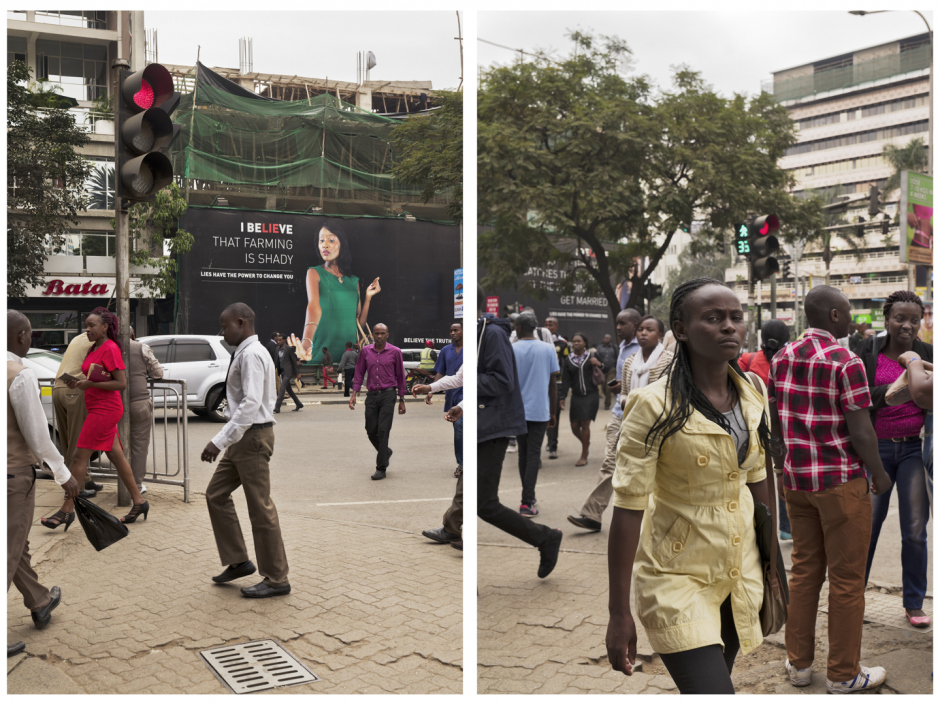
91,19
193,351
99,188
55,320
160,349
16,49
78,68
48,338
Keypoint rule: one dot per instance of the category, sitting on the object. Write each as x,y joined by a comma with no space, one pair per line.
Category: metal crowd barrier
171,400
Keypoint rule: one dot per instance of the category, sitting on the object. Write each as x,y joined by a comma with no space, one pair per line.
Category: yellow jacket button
732,506
733,476
702,461
734,573
747,643
677,546
736,541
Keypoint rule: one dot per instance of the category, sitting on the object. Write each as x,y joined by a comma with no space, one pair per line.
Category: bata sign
58,287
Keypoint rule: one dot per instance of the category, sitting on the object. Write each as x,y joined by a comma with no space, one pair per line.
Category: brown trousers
831,531
70,413
453,517
246,464
141,424
599,498
21,501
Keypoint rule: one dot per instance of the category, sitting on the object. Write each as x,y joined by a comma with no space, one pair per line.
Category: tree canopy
582,165
45,178
153,228
429,151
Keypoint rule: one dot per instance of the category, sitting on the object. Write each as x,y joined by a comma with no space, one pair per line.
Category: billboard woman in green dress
333,305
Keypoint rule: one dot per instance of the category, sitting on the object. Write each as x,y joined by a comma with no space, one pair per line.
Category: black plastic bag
101,528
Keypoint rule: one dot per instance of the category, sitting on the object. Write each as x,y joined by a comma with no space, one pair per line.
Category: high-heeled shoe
59,518
136,511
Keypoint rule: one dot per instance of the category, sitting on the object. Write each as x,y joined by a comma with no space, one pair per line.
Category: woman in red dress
103,401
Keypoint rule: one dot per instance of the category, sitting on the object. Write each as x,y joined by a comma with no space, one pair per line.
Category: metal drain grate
256,665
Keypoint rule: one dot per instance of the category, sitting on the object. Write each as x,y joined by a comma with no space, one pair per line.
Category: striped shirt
813,382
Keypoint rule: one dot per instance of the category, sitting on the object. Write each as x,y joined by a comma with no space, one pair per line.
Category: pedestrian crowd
704,443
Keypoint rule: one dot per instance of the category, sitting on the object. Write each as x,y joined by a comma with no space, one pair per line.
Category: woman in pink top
898,429
99,431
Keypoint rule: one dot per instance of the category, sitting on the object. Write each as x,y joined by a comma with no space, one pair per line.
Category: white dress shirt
250,391
27,407
453,382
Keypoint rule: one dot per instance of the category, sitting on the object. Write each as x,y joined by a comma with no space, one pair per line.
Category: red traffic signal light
764,225
145,101
763,245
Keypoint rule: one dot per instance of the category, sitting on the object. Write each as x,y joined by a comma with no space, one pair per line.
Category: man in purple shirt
386,371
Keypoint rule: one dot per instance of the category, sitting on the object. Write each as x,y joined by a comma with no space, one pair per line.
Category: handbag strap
771,493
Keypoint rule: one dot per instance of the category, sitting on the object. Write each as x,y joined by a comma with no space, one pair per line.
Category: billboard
316,283
916,216
458,293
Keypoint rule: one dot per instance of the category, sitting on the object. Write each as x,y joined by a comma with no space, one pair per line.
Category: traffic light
785,268
721,246
742,243
763,244
860,227
885,224
146,100
873,201
653,291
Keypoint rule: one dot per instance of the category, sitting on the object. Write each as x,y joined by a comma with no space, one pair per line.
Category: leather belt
379,391
905,439
269,424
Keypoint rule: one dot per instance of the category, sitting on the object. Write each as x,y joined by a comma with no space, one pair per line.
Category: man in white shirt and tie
248,442
28,443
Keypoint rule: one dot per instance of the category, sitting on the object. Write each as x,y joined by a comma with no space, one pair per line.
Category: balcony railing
89,120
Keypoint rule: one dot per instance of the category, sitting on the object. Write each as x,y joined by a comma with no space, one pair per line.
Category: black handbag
101,528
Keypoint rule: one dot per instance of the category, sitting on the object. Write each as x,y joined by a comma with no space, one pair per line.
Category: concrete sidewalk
547,636
372,609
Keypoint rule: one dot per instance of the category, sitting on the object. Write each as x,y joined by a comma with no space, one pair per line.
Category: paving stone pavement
372,609
547,636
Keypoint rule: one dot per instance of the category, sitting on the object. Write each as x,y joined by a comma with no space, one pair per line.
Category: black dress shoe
88,494
548,553
235,571
457,544
277,411
93,486
41,617
299,407
440,535
14,649
262,589
584,522
378,475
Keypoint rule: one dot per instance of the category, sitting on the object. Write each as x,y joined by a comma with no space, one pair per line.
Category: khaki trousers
246,464
70,413
599,498
141,424
608,392
831,531
21,501
453,517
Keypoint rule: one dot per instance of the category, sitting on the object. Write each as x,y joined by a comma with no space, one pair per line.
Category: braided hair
111,321
684,395
902,297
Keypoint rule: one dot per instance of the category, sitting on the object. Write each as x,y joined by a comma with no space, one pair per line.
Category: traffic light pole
122,284
751,312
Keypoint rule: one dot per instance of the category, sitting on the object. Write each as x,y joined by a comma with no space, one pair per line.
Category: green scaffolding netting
321,146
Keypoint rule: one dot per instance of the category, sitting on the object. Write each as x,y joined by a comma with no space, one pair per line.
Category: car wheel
215,411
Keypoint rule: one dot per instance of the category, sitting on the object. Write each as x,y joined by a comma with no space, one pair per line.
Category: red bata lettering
55,288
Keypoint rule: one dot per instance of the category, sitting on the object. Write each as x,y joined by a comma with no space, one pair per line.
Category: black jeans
490,455
348,375
553,432
285,387
380,410
706,670
530,452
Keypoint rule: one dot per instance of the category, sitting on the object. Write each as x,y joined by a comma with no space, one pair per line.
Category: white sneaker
142,488
866,679
800,677
512,449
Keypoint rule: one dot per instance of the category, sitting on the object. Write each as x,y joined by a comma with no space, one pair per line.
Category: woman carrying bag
578,375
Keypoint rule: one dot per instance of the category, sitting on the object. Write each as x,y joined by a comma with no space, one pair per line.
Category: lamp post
862,13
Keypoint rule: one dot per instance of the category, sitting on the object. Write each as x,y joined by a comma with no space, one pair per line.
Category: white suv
201,360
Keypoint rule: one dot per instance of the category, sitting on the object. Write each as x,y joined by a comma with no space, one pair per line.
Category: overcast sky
734,50
409,46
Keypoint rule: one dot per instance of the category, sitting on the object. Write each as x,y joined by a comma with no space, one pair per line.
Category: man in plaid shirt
819,403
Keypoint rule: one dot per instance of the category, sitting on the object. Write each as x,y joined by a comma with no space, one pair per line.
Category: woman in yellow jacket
690,465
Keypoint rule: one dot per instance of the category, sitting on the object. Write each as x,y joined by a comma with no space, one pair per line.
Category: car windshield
49,360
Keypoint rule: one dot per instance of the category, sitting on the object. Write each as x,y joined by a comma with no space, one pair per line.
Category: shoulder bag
773,609
597,373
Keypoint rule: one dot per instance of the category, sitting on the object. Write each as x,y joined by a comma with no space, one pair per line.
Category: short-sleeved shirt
448,362
108,356
535,361
814,381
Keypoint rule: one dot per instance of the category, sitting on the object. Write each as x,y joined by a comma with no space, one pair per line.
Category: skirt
584,408
100,429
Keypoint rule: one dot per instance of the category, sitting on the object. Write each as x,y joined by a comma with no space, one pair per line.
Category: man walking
248,442
449,360
562,351
142,363
386,371
501,414
347,365
590,516
819,400
538,373
28,443
273,347
289,368
69,404
607,354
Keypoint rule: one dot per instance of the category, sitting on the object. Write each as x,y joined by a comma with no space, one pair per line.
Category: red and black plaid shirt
814,381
